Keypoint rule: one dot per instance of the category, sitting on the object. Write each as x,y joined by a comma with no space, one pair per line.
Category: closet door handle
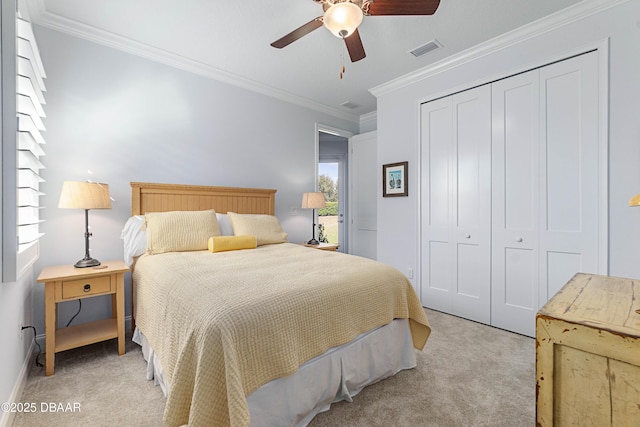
519,240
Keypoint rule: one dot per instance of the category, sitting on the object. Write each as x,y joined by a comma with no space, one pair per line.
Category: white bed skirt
338,374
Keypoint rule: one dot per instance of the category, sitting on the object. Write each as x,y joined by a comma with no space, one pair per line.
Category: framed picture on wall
394,179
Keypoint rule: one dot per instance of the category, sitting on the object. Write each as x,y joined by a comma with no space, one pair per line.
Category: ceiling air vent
426,48
349,104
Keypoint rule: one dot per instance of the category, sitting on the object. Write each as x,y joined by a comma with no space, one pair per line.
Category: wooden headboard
153,197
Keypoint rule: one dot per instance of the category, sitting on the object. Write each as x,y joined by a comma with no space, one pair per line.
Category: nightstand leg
50,327
120,311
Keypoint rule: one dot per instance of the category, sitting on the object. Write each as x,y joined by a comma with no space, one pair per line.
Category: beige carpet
468,375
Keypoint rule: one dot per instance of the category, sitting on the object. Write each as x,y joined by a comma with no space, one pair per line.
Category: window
22,142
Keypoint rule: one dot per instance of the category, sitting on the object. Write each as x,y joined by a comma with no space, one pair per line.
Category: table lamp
313,201
635,200
85,195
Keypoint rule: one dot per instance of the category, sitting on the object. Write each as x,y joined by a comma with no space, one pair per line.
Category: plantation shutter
30,142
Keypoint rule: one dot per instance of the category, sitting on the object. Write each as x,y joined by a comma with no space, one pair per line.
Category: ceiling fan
342,18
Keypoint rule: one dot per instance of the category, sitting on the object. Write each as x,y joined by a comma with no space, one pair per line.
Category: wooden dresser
588,354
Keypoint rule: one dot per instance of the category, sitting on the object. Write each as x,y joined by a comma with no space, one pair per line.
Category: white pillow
135,238
226,229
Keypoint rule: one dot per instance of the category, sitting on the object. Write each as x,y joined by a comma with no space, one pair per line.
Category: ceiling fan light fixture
342,19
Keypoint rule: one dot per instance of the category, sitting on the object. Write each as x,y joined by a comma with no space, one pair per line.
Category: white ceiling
230,40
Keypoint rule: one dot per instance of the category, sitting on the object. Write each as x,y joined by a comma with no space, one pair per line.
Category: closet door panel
472,207
569,175
469,162
440,262
469,261
515,200
439,167
455,204
436,207
562,151
518,123
520,288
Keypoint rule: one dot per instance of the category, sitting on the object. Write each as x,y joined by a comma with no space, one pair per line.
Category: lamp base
313,242
87,262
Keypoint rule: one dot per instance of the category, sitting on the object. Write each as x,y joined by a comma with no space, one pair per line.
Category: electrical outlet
294,211
20,329
410,273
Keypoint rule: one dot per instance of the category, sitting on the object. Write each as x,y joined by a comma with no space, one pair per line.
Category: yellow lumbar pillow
231,243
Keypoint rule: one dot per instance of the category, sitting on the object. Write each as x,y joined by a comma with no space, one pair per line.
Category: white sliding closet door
516,197
545,186
436,136
569,177
456,207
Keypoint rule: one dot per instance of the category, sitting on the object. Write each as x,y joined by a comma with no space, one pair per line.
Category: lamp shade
313,200
342,19
635,200
84,195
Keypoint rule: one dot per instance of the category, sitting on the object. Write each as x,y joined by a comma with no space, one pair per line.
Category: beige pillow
178,231
266,228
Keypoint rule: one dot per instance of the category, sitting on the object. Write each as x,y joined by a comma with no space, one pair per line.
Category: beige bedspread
223,324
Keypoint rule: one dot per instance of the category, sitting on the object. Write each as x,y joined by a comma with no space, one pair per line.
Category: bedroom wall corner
369,122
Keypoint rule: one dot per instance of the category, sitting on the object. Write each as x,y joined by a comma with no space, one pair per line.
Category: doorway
332,182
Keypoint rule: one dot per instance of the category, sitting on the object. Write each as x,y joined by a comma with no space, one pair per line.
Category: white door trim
316,152
343,196
319,127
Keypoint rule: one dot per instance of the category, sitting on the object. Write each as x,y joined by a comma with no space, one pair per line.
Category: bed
269,334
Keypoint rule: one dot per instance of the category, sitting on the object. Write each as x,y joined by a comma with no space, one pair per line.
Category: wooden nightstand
324,246
67,283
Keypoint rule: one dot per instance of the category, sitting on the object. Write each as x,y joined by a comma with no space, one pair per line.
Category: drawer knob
87,287
519,240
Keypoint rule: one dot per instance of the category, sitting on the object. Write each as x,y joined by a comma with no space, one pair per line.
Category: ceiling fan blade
298,33
403,7
355,47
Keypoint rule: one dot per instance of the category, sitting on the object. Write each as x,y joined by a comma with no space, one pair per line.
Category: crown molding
369,118
59,23
549,23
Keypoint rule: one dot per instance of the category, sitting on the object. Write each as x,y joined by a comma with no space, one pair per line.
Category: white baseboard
6,418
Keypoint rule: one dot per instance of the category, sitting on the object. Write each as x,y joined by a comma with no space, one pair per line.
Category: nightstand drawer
85,287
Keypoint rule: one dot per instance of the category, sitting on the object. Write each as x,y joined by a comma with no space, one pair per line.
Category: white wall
15,310
398,129
126,118
15,297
